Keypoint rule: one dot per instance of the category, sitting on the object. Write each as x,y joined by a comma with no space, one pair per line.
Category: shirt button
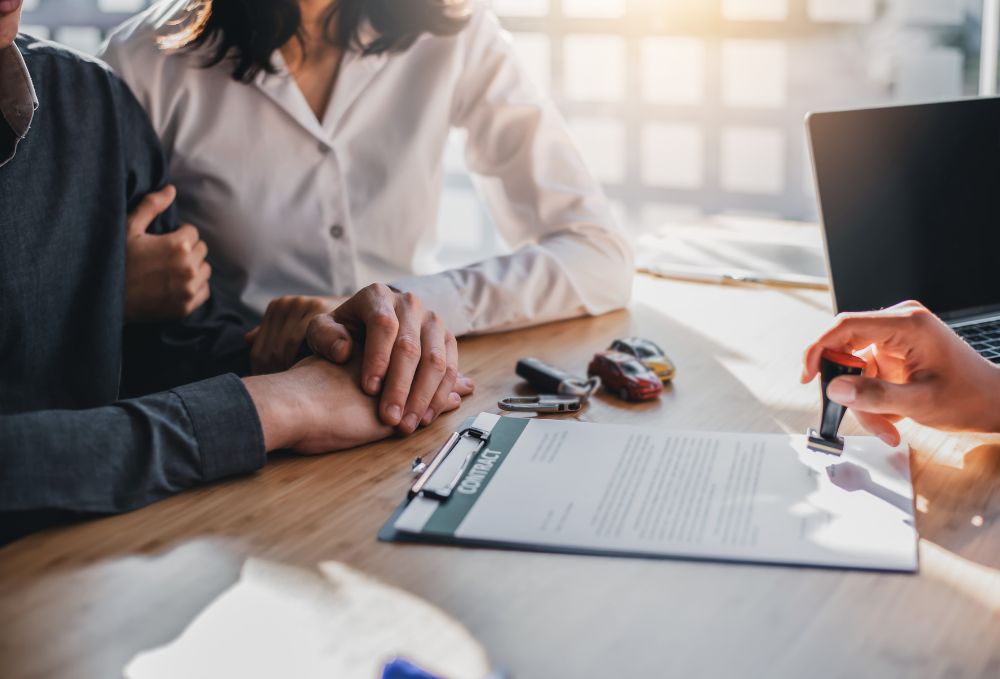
337,231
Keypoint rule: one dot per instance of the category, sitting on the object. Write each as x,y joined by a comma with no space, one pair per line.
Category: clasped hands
409,358
407,372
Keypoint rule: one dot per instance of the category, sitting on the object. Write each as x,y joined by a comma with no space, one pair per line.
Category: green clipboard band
449,515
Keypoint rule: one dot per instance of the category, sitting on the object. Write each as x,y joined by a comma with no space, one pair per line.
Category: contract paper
648,491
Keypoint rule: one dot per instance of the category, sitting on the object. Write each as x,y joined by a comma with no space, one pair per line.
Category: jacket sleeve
209,342
126,455
569,256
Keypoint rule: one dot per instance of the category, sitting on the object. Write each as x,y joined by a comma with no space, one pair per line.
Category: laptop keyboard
984,338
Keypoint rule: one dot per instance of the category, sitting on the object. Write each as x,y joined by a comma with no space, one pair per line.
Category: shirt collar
355,74
17,93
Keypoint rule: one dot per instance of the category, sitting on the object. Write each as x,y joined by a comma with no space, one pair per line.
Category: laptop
909,199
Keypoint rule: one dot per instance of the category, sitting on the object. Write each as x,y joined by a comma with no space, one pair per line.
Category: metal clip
543,403
583,389
451,468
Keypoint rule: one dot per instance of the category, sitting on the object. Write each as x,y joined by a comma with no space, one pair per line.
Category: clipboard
457,505
441,466
474,433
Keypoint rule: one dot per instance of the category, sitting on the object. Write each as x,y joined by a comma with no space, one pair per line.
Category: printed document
648,491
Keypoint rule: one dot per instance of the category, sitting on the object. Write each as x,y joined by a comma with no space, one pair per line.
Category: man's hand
166,276
917,368
276,341
317,407
410,357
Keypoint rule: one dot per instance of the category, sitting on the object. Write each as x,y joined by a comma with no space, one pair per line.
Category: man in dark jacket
77,154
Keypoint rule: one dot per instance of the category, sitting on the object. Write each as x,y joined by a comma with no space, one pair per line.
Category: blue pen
400,668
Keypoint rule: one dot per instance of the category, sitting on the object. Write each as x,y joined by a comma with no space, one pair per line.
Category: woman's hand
275,343
410,357
917,368
166,276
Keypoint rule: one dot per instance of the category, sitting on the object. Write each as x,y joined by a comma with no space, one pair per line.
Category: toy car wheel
623,393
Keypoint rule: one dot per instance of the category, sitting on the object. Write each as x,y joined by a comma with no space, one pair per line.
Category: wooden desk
80,601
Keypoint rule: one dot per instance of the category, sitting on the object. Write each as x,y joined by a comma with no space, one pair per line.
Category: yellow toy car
649,353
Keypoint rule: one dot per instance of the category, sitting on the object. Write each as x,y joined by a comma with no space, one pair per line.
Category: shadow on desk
958,509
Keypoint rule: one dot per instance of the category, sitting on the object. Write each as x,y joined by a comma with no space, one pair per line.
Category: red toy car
625,376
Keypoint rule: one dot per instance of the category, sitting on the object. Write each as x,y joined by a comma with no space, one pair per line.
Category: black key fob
546,378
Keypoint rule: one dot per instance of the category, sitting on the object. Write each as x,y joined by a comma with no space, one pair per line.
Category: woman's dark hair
249,31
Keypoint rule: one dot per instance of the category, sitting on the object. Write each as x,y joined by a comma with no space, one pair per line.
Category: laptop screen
910,201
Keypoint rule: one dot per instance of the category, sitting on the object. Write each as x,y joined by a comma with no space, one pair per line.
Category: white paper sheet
651,491
279,621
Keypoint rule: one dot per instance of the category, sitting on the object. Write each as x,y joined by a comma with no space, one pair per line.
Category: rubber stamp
833,364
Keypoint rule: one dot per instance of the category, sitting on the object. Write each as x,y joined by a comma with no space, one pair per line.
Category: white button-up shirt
290,204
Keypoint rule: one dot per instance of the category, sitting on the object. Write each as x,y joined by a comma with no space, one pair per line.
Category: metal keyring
543,403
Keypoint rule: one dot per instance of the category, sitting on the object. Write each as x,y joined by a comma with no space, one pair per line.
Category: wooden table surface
80,601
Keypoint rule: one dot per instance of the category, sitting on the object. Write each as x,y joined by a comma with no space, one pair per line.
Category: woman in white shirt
306,138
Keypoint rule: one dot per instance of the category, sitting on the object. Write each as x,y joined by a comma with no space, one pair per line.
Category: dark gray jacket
68,445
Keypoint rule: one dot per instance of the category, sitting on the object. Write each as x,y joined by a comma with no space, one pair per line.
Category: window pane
929,74
941,12
80,38
41,32
673,70
754,73
753,160
595,67
120,5
602,143
846,11
521,7
533,50
594,8
760,10
673,156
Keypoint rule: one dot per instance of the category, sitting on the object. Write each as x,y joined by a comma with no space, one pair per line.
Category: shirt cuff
226,426
439,293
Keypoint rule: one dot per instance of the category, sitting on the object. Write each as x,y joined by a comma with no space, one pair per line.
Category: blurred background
683,108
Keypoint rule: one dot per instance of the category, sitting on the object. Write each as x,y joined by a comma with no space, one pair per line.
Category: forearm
129,454
579,271
570,257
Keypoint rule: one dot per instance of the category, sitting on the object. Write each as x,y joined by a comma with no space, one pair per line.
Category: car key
549,379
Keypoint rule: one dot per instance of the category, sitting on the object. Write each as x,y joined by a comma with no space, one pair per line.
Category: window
81,24
702,101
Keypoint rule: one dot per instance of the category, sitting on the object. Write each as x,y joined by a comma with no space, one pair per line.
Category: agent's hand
317,407
276,341
166,276
410,357
917,368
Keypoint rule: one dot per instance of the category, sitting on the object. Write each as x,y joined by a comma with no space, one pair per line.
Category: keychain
543,403
562,391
